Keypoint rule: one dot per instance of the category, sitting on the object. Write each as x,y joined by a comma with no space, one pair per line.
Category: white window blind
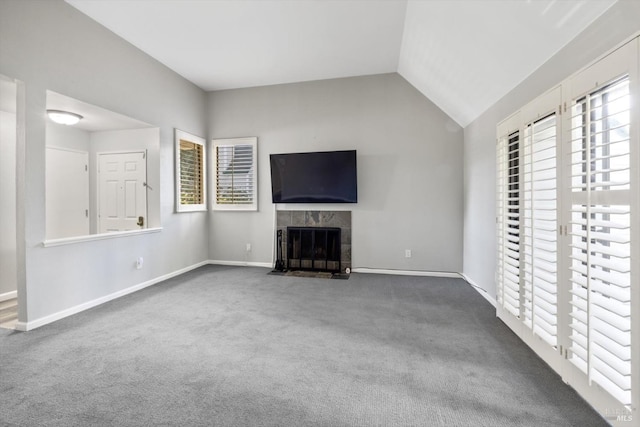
600,231
190,172
236,174
540,242
567,283
508,229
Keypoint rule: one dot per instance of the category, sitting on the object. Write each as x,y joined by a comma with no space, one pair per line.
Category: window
236,174
191,179
600,263
540,242
509,221
567,190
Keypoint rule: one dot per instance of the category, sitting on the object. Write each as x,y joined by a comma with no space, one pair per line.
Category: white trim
28,326
480,290
407,272
604,55
8,295
103,236
241,263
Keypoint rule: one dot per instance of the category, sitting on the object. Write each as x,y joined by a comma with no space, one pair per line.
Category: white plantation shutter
540,241
600,233
568,203
236,174
191,179
508,222
191,173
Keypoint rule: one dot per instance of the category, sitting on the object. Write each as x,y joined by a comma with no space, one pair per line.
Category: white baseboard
28,326
480,290
406,272
8,295
241,263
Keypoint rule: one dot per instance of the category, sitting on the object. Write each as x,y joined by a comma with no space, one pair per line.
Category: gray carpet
231,346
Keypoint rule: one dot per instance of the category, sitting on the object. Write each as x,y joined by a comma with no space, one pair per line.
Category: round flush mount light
64,117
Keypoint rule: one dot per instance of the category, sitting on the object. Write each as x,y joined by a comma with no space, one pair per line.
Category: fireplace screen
313,248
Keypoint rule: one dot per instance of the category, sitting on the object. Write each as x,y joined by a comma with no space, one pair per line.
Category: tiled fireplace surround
339,219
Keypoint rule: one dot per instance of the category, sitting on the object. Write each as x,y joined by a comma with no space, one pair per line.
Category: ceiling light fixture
64,117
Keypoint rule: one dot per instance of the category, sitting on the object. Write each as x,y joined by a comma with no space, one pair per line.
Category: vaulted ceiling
463,55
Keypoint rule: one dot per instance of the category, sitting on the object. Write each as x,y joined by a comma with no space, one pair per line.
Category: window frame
180,136
253,142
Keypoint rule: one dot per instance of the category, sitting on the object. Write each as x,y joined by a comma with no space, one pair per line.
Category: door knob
140,221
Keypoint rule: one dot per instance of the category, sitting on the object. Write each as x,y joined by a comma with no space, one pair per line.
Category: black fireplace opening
313,249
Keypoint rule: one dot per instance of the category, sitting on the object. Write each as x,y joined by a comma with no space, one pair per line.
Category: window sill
93,237
187,209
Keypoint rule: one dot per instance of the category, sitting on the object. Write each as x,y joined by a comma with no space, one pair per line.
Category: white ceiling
94,119
463,55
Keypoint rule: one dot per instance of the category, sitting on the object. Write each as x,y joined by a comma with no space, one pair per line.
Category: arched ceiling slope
463,55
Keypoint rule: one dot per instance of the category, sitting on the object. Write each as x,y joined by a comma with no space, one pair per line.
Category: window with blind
600,231
527,222
539,247
236,174
567,191
509,222
190,172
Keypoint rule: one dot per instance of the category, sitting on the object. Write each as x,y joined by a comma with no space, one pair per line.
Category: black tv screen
321,177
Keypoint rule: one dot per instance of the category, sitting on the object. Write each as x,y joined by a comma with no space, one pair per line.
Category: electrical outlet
407,253
139,263
248,247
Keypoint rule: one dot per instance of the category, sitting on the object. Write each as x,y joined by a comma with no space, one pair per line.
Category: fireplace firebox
313,248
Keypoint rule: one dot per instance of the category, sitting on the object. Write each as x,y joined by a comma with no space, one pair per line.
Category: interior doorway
122,194
8,203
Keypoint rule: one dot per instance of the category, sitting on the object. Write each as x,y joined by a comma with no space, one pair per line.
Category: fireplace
328,233
313,248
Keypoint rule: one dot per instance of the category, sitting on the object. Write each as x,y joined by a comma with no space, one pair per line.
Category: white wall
64,189
616,25
49,45
69,137
409,167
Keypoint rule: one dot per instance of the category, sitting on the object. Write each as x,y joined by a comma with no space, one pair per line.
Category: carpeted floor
232,346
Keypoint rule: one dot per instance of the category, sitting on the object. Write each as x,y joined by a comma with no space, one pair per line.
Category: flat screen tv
320,177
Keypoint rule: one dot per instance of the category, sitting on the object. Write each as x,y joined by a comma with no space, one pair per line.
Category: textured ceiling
463,55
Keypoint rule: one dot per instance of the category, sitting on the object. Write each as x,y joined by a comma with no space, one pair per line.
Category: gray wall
49,45
619,23
409,167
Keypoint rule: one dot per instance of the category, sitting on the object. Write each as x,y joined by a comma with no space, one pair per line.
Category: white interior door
67,199
122,195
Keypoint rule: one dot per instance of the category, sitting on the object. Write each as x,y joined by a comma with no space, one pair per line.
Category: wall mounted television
320,177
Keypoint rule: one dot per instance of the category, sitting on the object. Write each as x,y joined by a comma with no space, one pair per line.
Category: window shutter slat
601,238
540,227
235,173
191,161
